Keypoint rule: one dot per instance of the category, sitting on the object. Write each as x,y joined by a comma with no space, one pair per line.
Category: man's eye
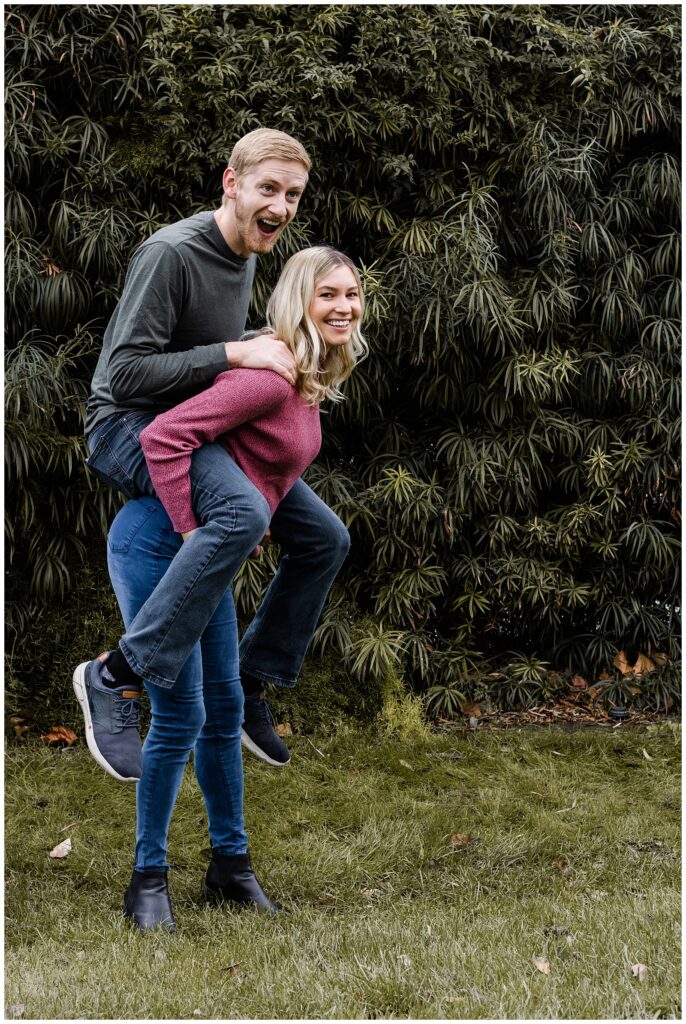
294,195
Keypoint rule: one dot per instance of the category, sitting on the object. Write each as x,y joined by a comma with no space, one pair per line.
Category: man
184,305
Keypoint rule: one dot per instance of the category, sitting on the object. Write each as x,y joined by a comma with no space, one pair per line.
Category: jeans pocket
116,456
105,465
131,520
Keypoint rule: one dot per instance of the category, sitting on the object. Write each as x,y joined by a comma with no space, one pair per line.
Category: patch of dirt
575,711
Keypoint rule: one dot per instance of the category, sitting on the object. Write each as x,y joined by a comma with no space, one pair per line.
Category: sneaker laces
265,709
127,709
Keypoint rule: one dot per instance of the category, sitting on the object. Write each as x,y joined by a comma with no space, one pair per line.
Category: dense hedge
508,176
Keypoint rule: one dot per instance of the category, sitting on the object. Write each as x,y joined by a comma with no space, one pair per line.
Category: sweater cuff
184,523
209,360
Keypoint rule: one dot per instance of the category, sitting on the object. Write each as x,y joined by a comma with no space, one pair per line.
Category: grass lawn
421,881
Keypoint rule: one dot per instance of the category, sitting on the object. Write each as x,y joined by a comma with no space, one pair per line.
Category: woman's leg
314,543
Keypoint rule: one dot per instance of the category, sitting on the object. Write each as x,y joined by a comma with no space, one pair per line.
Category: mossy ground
572,855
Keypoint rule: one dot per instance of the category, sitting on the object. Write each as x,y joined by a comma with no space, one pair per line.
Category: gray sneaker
111,717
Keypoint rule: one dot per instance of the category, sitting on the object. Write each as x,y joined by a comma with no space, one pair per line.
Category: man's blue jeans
234,516
204,709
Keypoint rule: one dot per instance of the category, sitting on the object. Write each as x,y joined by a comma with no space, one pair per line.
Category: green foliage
445,699
402,713
508,179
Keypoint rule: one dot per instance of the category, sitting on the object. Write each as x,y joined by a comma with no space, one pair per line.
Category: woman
271,429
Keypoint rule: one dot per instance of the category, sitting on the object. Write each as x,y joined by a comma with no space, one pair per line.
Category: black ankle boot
232,880
147,901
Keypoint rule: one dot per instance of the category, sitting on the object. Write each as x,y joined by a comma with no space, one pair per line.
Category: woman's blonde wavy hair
321,369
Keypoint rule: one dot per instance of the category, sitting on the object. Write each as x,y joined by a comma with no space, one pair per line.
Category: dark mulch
576,710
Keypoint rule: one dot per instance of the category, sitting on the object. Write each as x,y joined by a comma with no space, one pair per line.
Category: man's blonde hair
321,369
267,144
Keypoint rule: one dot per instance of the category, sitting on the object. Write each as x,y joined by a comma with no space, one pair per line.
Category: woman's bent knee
339,539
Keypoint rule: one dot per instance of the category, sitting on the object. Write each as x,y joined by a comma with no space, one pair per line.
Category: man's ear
230,182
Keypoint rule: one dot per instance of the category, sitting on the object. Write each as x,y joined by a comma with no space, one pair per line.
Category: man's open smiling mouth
268,227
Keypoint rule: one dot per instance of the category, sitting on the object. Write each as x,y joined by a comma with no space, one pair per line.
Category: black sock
250,684
121,671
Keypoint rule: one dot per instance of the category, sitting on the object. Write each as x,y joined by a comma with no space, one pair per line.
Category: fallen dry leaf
542,964
643,664
560,863
621,662
406,765
579,683
284,729
20,724
460,839
474,710
58,735
660,658
62,849
639,971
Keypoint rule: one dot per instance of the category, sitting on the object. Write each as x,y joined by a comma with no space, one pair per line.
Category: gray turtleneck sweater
186,293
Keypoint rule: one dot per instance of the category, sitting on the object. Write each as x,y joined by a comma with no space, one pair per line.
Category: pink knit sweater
261,420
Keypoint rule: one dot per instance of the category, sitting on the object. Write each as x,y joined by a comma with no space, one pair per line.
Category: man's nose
278,206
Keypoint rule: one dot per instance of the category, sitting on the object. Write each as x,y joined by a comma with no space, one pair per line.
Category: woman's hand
265,352
257,551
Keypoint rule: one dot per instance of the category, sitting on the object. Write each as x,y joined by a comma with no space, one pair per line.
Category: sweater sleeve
147,313
236,397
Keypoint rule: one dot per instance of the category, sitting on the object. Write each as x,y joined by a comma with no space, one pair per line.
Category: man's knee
179,729
225,712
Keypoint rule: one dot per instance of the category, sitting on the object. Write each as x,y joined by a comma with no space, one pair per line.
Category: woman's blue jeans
203,711
234,516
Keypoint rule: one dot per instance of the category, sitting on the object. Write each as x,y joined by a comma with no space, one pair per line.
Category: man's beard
246,224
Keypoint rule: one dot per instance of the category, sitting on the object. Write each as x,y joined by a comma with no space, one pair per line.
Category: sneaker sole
79,683
258,752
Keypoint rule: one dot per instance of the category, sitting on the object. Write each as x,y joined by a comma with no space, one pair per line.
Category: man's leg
314,543
219,766
141,544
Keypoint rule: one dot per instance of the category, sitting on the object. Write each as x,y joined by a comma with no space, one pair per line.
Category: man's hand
265,352
189,533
